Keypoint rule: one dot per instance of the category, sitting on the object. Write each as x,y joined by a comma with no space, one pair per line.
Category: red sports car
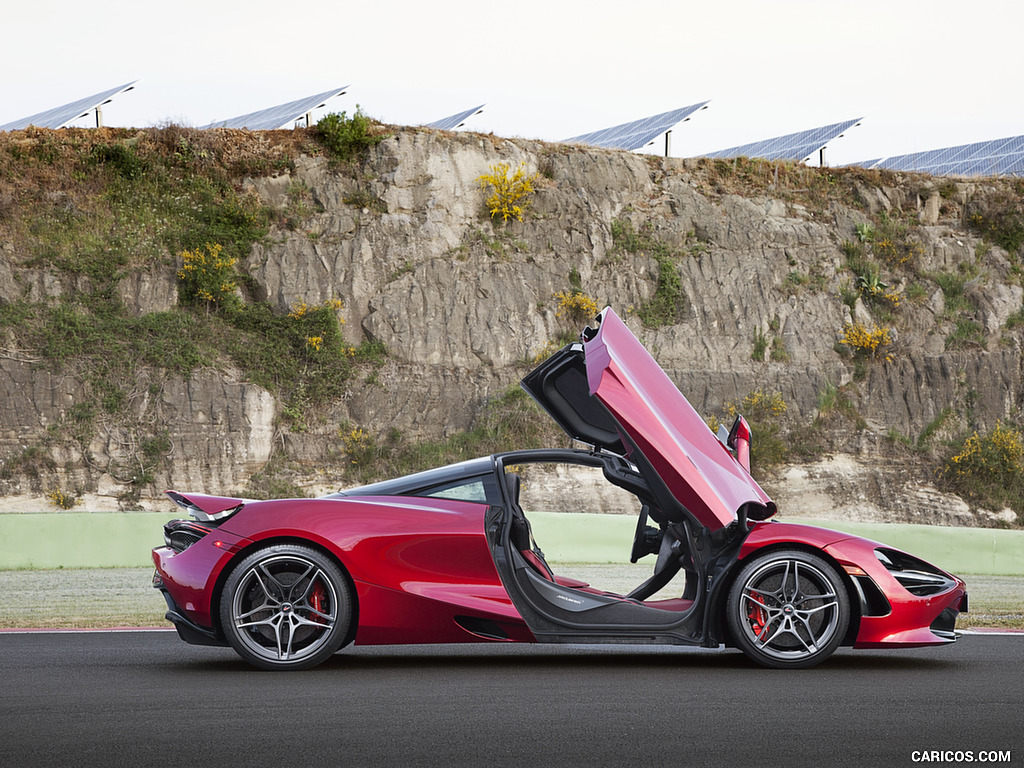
448,555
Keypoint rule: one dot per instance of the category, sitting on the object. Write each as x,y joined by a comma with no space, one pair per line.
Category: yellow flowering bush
898,251
317,328
763,412
577,307
873,289
302,309
989,468
891,241
864,341
510,195
1000,220
62,499
360,445
757,406
207,276
549,348
999,453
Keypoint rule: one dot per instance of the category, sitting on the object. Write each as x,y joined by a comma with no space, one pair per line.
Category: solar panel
281,116
996,157
639,133
60,117
798,147
452,122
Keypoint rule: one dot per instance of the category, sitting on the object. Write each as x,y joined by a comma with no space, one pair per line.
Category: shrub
576,306
852,250
360,446
1015,320
546,351
833,399
874,290
757,406
207,277
779,352
123,159
769,447
989,468
62,499
344,137
761,342
954,288
966,333
892,241
668,305
318,328
510,195
1000,220
865,342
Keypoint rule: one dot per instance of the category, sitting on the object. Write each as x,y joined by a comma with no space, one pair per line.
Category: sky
922,75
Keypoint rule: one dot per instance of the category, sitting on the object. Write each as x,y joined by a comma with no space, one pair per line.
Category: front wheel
788,609
286,607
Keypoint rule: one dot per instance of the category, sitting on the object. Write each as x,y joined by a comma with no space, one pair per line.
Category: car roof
402,486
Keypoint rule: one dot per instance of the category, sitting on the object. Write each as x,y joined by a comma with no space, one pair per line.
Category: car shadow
501,658
624,657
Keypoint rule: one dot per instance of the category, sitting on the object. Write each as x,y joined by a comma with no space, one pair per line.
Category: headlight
916,576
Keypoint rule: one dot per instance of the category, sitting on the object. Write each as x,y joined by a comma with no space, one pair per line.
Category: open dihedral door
560,609
610,386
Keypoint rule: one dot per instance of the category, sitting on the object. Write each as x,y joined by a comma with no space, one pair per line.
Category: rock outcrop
462,305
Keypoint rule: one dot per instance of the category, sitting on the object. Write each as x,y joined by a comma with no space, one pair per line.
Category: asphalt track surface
147,699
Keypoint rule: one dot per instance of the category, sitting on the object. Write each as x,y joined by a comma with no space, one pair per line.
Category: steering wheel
646,538
665,568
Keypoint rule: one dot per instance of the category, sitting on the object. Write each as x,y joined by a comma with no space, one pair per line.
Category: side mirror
739,441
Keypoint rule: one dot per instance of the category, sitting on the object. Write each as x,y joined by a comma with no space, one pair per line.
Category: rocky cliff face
462,305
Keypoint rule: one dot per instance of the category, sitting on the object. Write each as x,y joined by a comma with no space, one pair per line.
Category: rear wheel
788,609
286,607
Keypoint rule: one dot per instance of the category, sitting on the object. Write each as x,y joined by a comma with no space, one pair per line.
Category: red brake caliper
758,616
316,599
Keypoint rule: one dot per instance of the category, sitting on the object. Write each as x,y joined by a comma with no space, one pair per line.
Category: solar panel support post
668,143
821,157
99,116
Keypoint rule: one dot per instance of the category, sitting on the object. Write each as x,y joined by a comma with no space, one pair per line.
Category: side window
480,489
560,488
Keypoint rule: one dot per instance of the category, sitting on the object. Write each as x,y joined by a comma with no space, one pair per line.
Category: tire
286,607
788,609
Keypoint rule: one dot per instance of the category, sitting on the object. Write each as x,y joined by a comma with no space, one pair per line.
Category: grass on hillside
92,207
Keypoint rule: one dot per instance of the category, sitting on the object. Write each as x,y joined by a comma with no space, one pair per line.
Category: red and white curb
79,631
990,631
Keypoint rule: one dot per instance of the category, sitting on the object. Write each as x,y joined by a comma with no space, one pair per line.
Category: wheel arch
719,627
256,546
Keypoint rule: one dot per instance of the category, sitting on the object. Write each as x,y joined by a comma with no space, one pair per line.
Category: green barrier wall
80,540
577,538
115,539
958,550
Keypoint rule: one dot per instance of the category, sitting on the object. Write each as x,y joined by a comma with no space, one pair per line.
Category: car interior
666,587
